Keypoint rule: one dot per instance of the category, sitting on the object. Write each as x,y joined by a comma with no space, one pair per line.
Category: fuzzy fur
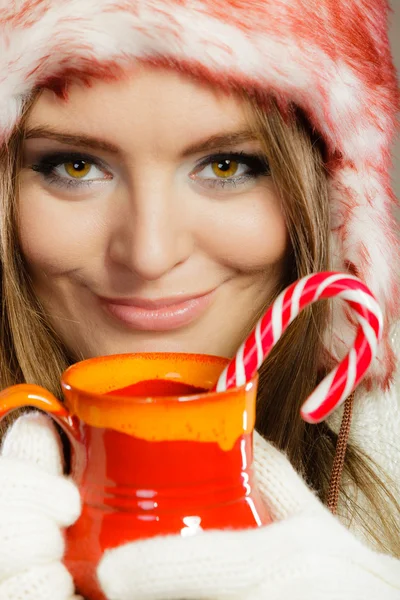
330,57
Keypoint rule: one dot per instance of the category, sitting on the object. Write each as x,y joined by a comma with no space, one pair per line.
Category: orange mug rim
67,385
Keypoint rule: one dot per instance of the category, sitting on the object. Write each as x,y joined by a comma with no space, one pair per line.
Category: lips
161,314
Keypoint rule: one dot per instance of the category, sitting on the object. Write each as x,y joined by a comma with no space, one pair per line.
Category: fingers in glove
194,568
220,565
231,565
283,490
27,540
31,490
34,439
47,582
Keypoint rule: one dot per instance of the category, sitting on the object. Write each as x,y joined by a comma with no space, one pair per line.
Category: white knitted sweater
375,430
304,555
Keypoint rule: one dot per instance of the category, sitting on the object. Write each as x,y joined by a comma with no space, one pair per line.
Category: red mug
154,452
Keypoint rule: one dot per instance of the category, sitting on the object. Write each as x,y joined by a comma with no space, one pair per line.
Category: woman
167,168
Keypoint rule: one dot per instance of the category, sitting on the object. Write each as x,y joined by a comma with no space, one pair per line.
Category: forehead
160,106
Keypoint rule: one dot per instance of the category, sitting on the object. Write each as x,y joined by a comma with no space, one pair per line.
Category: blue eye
222,170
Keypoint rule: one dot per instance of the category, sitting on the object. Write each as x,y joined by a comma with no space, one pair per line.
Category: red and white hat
329,57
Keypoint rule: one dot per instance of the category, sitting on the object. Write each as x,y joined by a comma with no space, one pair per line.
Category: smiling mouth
161,314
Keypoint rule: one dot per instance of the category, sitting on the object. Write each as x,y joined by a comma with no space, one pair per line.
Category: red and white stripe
336,386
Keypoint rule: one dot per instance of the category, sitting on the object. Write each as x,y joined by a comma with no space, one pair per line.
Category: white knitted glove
36,501
306,555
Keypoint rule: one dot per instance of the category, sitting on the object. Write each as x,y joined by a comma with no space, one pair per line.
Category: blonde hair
31,351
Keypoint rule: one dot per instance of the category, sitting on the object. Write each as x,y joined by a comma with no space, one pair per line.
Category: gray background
395,36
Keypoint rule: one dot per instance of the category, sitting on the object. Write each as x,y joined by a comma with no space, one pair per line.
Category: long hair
296,156
30,350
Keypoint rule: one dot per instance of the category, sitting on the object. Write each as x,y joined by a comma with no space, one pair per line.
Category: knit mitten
306,554
36,502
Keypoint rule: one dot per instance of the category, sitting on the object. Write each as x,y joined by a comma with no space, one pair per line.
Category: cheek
55,236
248,233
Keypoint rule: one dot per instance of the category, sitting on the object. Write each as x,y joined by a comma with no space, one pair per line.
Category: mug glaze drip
148,463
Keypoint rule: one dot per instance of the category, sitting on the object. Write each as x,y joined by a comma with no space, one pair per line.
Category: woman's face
147,217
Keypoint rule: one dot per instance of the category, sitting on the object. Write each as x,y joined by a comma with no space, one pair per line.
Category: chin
150,346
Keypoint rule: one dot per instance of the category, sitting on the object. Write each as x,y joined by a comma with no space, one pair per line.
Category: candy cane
336,386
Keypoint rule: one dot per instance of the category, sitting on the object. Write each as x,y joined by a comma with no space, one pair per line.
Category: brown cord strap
338,463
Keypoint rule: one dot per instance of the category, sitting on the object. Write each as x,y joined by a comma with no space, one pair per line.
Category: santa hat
331,58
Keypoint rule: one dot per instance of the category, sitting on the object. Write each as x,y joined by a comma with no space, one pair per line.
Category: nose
152,235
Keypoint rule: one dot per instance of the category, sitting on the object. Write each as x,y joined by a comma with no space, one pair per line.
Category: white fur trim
342,76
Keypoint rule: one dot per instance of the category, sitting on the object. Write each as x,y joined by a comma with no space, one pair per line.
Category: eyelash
48,163
257,165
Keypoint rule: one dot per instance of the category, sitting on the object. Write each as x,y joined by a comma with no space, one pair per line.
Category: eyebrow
219,141
211,143
70,139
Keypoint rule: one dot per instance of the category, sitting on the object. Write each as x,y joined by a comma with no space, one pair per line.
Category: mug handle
24,395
